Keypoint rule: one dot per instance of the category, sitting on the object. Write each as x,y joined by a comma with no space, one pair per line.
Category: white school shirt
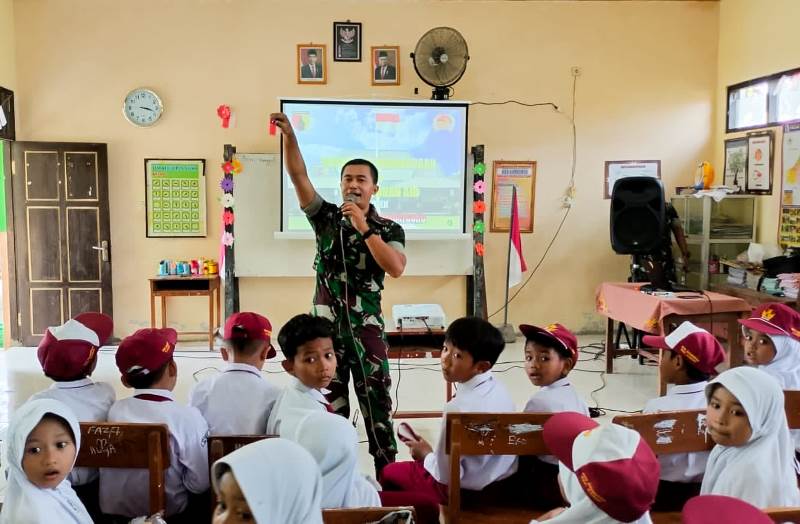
237,401
26,503
90,401
555,398
681,467
126,491
296,398
481,394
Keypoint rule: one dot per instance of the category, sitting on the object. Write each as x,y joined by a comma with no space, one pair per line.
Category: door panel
60,205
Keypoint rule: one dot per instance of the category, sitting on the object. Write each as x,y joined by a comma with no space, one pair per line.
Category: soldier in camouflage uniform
355,249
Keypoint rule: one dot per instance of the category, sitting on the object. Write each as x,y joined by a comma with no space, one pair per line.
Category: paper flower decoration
224,112
479,206
226,184
227,167
227,217
479,249
227,238
478,226
480,168
237,167
479,187
227,200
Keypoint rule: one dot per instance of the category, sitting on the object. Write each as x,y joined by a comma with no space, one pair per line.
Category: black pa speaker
637,215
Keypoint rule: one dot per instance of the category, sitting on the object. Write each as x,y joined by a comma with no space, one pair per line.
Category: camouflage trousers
366,358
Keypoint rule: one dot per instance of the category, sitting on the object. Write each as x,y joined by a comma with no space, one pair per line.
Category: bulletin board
176,197
789,229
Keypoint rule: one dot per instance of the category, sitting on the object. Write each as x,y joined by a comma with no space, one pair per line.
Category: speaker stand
636,275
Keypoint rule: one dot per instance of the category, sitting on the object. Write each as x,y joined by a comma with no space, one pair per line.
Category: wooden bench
360,515
128,445
221,445
490,434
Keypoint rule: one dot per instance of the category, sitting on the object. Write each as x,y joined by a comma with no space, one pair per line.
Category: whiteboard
261,251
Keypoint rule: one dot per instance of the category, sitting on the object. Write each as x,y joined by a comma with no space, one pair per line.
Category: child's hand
419,448
282,122
551,514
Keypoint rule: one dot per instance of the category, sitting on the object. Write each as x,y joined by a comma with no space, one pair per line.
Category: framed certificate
616,169
759,163
505,176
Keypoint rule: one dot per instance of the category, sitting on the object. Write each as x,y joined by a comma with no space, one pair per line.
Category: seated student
550,354
268,482
471,347
68,355
145,361
43,441
608,473
307,344
754,456
238,401
333,442
714,509
689,356
772,343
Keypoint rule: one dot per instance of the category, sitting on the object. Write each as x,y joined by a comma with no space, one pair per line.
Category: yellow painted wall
8,66
646,91
756,38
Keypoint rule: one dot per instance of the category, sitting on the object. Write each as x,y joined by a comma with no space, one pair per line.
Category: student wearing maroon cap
608,473
239,400
68,355
550,354
689,357
145,361
714,509
772,344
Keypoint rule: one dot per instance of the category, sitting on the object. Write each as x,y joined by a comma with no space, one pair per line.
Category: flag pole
508,258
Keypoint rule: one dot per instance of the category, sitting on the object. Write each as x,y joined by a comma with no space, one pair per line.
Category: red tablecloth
624,302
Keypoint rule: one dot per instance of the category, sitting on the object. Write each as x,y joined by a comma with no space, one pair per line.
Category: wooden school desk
193,286
659,315
417,343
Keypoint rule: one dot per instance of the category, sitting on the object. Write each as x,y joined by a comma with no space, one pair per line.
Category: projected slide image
419,149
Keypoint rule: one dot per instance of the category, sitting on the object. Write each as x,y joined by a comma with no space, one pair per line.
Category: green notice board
176,197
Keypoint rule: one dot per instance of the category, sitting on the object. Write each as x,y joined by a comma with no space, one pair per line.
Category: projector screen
419,148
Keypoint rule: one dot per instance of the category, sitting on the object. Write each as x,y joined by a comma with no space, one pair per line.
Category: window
764,102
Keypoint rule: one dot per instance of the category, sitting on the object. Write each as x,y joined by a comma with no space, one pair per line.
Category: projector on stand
418,316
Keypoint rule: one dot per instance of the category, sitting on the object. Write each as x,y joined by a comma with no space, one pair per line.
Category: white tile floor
418,382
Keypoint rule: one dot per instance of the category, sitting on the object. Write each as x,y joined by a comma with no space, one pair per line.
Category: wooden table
753,297
417,343
659,315
192,286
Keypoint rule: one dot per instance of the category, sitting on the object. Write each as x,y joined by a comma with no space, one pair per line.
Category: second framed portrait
311,65
347,41
385,65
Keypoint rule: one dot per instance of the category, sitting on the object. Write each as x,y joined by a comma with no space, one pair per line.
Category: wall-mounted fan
440,59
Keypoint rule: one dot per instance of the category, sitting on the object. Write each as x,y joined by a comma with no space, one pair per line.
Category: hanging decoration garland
478,207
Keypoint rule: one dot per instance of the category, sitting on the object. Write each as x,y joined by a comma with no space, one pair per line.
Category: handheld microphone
350,197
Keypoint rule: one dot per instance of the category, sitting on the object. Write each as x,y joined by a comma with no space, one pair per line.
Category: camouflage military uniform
360,343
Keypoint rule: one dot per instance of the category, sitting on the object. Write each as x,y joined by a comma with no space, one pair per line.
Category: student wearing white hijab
39,454
754,456
772,342
332,441
279,481
608,474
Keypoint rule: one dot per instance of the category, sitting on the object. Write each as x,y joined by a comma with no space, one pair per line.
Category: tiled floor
418,382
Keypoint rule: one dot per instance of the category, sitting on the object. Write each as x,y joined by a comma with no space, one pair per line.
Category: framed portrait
735,162
759,163
507,175
175,197
616,169
347,41
311,65
385,65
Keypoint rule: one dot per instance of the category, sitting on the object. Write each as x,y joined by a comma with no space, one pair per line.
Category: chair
128,445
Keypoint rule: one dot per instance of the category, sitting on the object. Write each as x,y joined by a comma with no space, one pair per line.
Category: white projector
418,316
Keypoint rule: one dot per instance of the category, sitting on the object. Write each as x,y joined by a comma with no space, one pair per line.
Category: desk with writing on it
417,343
189,286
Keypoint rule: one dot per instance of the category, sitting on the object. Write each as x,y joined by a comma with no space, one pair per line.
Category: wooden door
62,242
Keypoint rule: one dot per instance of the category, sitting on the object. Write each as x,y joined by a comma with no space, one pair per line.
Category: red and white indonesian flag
516,262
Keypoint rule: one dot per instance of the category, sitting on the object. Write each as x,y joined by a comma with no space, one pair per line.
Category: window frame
770,80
